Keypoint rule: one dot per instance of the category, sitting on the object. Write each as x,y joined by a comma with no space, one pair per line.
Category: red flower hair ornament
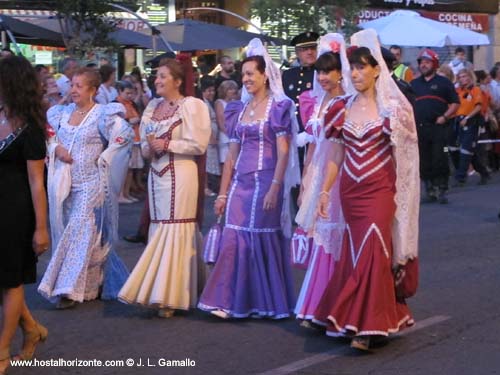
350,50
335,46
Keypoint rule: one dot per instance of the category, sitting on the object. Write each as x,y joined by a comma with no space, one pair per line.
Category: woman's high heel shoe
65,303
5,356
32,339
361,343
166,312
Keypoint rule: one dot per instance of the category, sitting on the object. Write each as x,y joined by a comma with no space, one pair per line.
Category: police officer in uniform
435,104
299,79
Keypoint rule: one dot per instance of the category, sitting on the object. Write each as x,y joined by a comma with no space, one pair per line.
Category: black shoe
429,199
443,197
431,196
135,238
484,180
459,184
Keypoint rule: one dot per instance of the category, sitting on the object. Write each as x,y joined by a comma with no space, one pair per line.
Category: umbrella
190,35
133,39
27,33
125,38
408,28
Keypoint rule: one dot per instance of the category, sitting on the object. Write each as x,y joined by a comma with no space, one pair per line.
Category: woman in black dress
23,204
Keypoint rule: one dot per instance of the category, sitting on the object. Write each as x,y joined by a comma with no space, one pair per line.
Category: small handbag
407,279
301,246
211,243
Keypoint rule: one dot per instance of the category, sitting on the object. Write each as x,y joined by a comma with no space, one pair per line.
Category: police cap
307,39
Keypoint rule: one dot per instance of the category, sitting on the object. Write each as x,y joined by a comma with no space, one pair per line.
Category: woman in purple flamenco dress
252,276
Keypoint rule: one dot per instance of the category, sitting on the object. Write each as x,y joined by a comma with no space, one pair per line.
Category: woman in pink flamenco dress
326,96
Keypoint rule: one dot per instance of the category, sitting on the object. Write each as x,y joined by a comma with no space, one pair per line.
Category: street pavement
457,309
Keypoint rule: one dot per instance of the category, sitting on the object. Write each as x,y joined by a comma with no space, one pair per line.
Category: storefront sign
43,57
131,24
473,6
471,21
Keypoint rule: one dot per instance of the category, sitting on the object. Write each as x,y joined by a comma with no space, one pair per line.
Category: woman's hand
271,198
219,207
157,145
399,273
323,205
463,122
40,241
63,154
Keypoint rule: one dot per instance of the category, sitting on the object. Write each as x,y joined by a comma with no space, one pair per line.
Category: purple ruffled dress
252,276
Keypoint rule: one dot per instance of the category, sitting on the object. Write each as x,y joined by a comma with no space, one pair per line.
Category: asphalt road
457,309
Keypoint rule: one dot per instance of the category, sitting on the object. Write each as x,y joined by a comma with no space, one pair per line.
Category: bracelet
325,193
223,197
466,118
275,181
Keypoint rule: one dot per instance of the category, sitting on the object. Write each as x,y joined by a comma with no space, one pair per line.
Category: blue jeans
463,140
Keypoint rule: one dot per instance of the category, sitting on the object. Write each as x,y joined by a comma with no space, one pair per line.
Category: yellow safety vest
400,71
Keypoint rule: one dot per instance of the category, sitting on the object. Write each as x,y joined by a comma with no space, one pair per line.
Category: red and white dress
360,298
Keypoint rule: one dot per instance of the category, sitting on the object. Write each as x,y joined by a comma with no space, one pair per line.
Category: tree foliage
322,16
85,25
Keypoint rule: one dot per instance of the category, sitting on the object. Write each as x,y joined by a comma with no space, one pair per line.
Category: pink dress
321,264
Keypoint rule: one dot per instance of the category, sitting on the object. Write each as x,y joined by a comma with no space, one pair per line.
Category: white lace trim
231,193
360,130
261,145
254,200
252,229
250,313
342,331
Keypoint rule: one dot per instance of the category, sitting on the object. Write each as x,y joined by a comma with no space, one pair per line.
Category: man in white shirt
107,92
68,67
460,62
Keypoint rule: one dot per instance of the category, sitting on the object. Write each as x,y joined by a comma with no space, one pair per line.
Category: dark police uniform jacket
295,82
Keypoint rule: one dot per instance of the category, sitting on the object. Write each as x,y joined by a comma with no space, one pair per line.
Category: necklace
166,109
81,113
254,107
363,105
174,102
